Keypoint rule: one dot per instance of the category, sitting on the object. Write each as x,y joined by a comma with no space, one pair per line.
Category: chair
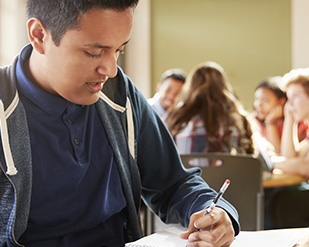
245,192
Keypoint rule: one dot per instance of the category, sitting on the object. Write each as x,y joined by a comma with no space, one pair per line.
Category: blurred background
251,39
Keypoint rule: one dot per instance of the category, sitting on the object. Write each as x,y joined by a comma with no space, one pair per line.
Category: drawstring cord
11,169
130,128
130,122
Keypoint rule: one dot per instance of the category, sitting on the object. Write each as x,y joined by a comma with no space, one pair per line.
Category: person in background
168,89
269,101
209,118
79,151
294,159
296,110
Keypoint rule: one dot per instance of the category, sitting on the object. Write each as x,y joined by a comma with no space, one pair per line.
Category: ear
37,34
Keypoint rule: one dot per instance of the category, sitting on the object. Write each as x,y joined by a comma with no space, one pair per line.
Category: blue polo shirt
77,198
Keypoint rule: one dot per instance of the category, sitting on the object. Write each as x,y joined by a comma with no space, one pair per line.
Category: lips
94,83
95,86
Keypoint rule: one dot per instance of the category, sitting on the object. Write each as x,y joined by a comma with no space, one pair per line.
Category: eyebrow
98,46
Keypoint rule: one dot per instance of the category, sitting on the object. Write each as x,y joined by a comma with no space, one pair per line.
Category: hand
275,114
216,229
287,113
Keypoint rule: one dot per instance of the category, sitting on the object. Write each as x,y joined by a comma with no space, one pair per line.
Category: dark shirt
77,198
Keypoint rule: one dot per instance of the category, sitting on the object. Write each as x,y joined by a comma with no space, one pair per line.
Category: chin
85,101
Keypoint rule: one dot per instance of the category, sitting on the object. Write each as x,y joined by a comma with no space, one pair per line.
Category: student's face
169,90
298,102
86,57
264,101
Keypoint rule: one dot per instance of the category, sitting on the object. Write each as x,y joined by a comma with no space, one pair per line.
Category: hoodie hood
4,114
115,94
8,103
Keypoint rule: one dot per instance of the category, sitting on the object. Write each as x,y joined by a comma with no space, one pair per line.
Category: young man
169,87
76,158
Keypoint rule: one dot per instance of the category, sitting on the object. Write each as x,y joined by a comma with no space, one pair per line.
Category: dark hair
58,16
273,84
177,74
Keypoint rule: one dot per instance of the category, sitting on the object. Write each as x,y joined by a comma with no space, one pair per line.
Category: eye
92,55
120,51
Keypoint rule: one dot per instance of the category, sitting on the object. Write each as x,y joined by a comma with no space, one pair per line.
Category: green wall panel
249,38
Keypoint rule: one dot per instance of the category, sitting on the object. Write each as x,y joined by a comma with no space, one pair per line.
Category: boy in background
168,89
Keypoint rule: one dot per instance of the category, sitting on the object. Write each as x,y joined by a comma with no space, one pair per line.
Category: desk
280,179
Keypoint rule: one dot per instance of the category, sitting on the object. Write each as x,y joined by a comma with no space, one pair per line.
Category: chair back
245,192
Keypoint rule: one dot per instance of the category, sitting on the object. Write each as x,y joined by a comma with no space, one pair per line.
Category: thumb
190,229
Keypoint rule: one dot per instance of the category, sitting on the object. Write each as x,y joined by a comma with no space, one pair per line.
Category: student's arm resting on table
272,130
297,165
288,145
168,189
296,159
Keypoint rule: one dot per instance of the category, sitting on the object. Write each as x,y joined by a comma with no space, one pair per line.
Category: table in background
280,179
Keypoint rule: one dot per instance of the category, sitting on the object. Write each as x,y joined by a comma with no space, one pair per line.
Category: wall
13,35
250,39
300,34
137,53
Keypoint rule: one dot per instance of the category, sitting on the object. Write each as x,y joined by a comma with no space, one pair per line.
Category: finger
208,220
191,228
221,232
207,231
185,235
206,238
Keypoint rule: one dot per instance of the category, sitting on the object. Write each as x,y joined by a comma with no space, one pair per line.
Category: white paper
271,238
167,238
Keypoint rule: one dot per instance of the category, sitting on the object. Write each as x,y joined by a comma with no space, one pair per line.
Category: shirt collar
52,104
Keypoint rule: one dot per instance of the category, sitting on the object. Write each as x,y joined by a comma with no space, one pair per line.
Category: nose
108,66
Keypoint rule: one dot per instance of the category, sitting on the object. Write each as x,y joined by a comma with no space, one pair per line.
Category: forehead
171,84
295,89
103,25
170,81
265,93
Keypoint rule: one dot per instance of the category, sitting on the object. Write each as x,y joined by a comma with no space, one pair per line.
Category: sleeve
168,189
